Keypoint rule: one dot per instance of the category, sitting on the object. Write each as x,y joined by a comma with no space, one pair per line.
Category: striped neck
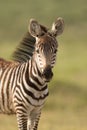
35,75
35,71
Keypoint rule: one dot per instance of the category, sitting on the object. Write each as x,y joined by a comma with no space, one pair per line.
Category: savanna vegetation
66,107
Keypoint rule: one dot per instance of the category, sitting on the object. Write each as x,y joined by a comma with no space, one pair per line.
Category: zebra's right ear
34,28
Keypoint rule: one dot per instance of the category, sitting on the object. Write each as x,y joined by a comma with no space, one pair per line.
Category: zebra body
23,83
13,82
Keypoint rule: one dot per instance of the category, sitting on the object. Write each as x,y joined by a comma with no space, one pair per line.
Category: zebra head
46,45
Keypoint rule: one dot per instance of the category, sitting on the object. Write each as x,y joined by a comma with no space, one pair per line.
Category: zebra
24,81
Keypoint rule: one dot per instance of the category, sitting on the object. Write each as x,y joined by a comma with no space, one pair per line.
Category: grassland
66,107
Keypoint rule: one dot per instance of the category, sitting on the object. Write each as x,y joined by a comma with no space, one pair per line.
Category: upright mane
25,49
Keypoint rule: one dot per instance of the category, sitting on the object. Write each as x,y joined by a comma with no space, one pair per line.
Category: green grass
66,106
63,120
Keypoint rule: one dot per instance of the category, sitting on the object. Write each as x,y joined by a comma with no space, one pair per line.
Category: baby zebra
23,82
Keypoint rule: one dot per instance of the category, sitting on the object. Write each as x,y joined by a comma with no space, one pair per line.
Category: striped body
21,89
16,79
23,83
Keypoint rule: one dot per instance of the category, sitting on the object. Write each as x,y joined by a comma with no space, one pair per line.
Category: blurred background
66,106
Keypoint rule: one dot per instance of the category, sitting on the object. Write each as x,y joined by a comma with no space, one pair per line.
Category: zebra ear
58,27
34,28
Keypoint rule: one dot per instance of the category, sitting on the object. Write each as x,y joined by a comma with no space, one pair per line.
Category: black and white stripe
23,82
22,90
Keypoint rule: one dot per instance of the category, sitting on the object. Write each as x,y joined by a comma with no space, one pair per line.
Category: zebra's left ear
58,27
34,28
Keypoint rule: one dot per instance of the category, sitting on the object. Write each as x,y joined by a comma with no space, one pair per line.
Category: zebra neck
35,72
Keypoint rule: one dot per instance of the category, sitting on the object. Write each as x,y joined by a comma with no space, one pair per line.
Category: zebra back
25,49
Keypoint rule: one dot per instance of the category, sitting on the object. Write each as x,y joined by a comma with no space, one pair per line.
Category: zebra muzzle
47,73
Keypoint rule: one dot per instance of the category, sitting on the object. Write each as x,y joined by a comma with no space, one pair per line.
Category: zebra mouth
47,74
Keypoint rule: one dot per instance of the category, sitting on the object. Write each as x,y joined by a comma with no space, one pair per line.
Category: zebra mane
25,49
